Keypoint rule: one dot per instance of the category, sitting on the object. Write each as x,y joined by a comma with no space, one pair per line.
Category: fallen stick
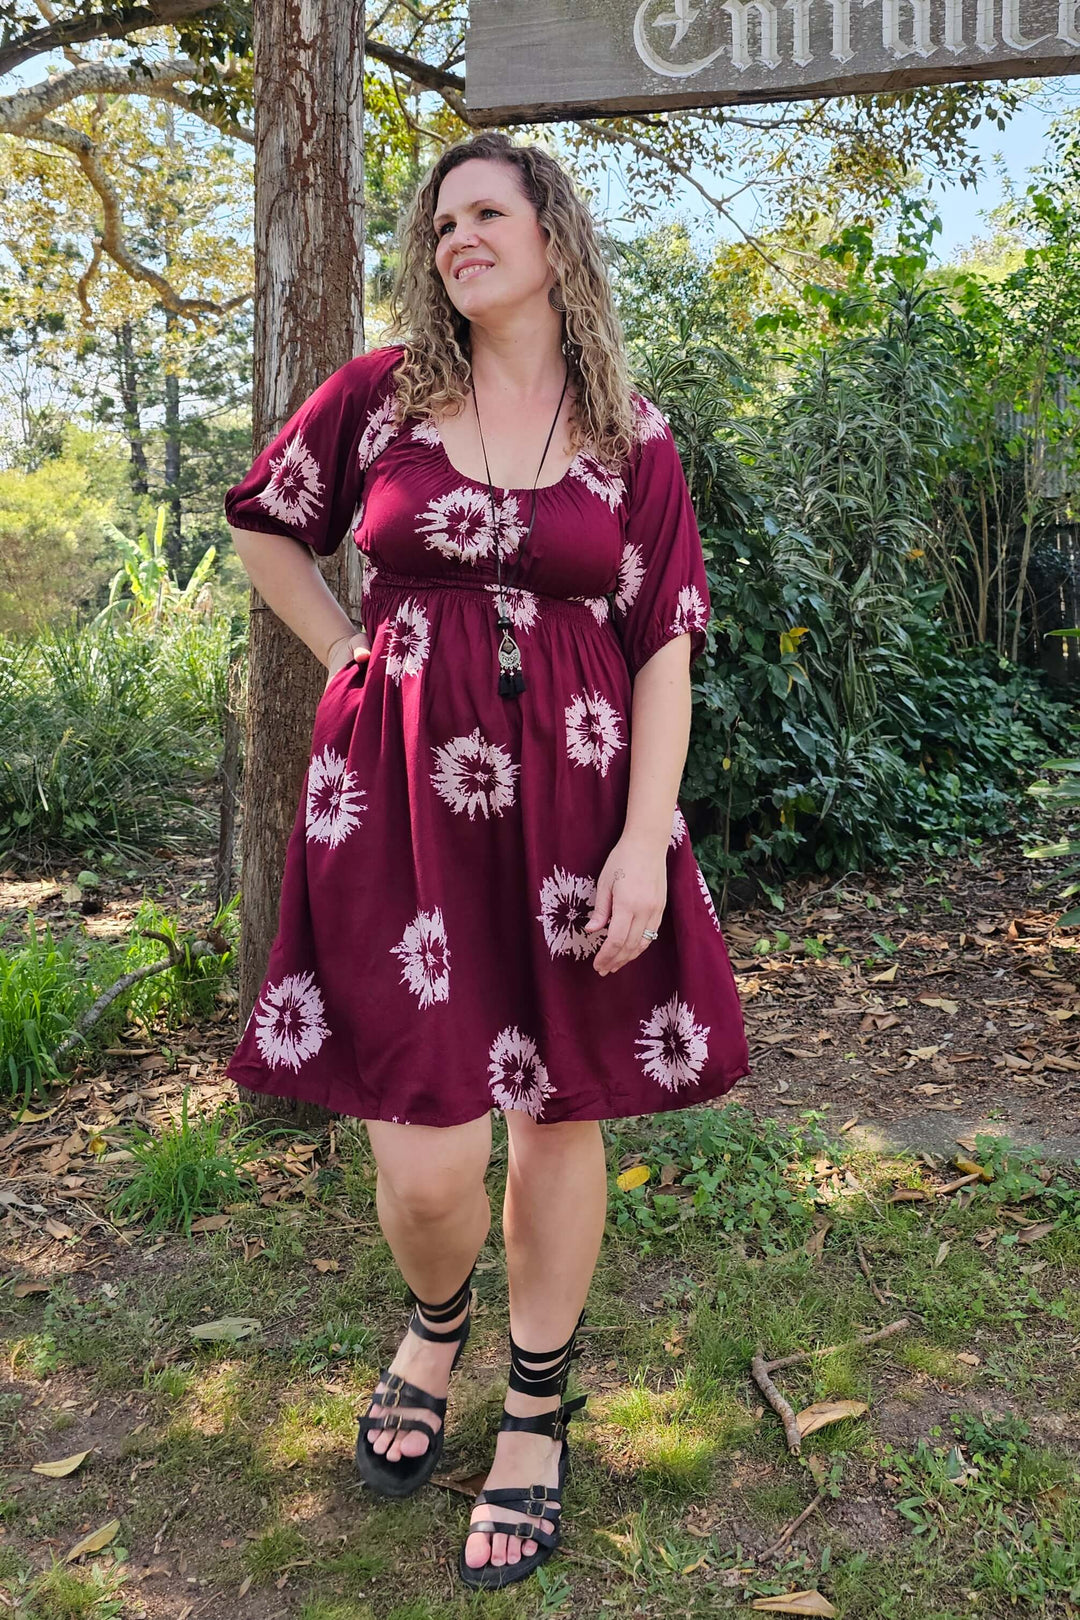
786,1535
176,957
830,1350
760,1369
865,1269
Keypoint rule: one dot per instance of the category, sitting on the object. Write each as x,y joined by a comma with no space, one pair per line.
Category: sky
1005,157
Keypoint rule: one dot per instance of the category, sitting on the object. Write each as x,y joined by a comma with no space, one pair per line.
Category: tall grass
107,735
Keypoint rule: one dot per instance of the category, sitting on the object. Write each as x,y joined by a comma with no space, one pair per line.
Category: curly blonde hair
435,370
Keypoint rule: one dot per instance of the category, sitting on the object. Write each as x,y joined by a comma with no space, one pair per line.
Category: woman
489,830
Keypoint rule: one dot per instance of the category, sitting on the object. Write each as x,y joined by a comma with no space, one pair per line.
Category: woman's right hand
344,652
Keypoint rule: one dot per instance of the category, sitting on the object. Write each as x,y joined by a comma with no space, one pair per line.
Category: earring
555,299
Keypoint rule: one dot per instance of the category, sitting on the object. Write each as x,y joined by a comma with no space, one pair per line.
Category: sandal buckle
390,1397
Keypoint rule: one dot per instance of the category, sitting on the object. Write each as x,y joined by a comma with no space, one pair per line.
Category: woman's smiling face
489,247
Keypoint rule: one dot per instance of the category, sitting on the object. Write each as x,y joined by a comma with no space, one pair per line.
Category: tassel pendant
511,678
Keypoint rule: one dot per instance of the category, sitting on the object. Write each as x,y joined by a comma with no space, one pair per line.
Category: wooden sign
540,60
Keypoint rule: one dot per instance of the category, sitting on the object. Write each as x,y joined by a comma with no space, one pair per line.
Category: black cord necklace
511,677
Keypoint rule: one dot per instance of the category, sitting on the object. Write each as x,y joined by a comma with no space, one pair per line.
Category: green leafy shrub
736,1175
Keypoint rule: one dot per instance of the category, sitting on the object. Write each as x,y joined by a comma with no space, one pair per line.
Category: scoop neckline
506,489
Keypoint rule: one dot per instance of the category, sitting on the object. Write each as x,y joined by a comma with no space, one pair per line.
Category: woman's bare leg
553,1223
434,1212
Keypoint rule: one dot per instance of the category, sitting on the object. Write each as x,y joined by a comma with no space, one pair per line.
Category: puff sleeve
307,482
662,591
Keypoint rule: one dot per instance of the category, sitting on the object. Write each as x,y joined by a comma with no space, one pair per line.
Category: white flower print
593,731
690,612
290,1022
518,1079
426,432
426,957
707,897
458,525
408,640
473,774
335,805
295,484
566,903
378,432
521,605
679,829
371,574
631,574
601,480
651,423
673,1047
597,606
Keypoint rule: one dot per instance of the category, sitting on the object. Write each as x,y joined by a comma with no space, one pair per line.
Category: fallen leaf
465,1484
923,1053
669,1173
244,1585
875,978
637,1177
57,1229
940,1002
327,1265
815,1417
22,1289
971,1167
210,1223
1032,1234
968,1359
815,1243
795,1603
94,1541
27,1118
226,1327
62,1466
954,1186
943,1249
906,1195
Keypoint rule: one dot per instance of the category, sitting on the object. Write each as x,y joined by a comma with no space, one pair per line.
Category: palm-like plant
152,592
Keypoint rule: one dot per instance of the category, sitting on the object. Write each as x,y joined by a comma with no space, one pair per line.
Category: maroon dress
430,960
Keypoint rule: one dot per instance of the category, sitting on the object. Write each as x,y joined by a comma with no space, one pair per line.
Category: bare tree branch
21,113
55,36
50,17
112,239
666,160
431,77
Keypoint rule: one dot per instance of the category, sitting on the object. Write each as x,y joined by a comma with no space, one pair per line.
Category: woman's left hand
631,892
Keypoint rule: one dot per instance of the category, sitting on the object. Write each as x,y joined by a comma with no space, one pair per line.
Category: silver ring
651,933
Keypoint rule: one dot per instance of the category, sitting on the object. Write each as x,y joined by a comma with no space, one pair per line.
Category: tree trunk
129,396
309,313
173,533
173,544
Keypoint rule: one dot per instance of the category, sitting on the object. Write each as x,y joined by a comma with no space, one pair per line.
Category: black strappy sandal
544,1501
407,1474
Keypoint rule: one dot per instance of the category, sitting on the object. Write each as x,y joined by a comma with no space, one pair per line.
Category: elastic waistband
435,582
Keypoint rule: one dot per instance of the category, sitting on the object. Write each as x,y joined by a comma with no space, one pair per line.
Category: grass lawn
219,1472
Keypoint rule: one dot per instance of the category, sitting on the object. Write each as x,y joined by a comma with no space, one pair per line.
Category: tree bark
173,541
129,397
309,313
